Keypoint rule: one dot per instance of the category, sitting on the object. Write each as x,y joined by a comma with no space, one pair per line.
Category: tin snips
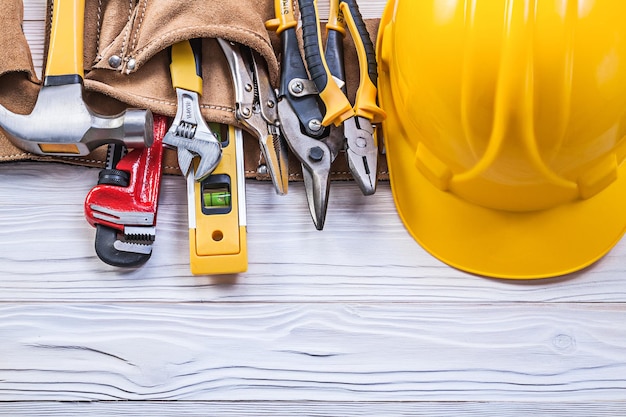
316,115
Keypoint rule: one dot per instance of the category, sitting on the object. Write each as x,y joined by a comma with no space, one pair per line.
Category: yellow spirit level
217,211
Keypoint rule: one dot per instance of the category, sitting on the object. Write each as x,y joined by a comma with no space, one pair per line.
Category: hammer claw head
61,123
138,128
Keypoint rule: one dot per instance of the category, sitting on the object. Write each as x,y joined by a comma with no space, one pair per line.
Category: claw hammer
61,123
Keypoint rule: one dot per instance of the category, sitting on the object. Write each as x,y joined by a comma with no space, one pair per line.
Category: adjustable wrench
123,206
189,132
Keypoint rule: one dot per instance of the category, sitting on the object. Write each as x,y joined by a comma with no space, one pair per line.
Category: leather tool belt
126,65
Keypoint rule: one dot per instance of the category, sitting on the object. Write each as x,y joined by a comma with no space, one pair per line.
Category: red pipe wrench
123,206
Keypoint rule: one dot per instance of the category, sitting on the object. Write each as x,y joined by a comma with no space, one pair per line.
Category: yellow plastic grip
284,17
365,104
336,19
183,68
65,50
338,107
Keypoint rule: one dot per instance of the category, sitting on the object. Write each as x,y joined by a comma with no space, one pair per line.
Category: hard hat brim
504,244
477,239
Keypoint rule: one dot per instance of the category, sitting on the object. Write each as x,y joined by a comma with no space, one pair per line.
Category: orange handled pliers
316,115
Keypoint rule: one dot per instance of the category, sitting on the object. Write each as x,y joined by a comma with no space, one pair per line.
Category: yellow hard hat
505,130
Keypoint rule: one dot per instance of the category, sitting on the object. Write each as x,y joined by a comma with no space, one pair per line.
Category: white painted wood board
356,320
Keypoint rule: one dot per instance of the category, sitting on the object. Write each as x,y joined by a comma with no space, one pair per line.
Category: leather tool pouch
18,82
127,65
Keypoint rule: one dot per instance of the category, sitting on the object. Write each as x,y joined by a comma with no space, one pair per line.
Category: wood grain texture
355,320
34,30
34,10
364,254
312,408
312,352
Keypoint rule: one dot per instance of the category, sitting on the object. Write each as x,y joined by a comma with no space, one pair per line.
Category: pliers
255,109
316,138
189,132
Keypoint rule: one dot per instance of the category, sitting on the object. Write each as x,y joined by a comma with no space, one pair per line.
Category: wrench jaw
190,134
115,251
123,239
209,152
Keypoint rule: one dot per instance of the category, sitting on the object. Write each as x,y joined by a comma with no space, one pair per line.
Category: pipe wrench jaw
117,243
123,238
115,250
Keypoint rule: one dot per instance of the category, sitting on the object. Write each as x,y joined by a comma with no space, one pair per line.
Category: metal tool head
192,137
62,124
116,243
317,187
209,152
273,146
113,248
316,159
274,149
362,153
255,109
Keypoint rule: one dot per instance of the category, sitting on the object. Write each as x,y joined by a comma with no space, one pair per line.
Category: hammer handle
64,64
